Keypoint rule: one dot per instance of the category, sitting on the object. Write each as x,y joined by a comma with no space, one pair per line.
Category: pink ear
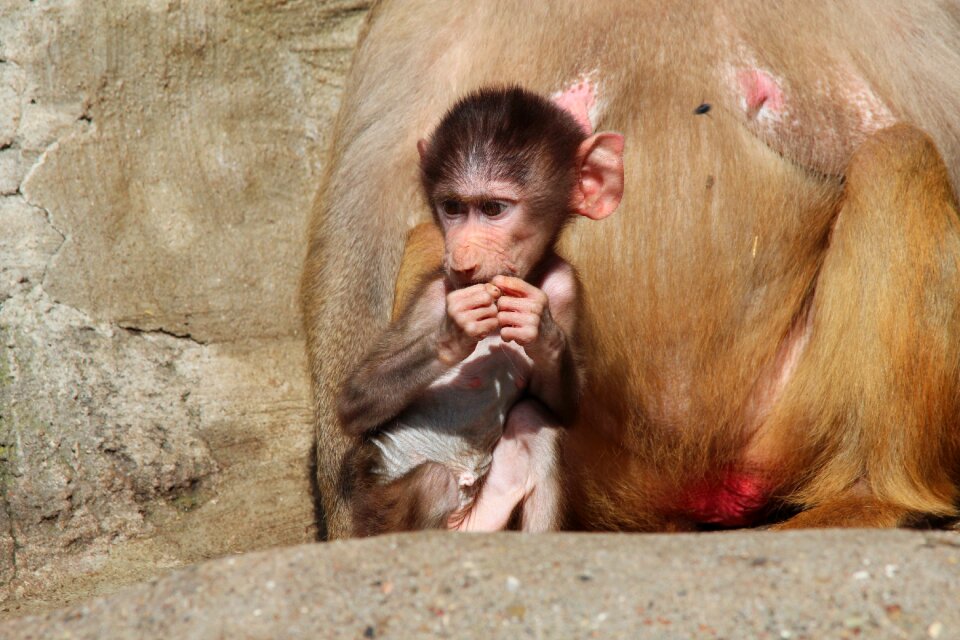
422,146
601,175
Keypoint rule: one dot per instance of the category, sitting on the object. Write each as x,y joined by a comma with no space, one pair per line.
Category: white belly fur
460,416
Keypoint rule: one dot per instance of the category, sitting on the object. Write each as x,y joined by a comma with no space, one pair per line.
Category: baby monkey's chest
460,416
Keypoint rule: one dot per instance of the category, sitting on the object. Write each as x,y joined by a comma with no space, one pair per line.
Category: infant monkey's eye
492,208
453,207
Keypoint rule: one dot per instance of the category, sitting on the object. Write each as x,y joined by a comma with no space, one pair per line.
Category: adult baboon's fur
772,314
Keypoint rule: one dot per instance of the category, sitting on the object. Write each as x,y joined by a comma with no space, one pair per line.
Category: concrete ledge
812,584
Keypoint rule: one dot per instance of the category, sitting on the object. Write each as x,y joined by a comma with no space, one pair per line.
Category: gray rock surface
181,145
815,584
157,164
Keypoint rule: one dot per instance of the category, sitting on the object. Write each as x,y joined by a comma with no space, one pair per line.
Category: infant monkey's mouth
484,279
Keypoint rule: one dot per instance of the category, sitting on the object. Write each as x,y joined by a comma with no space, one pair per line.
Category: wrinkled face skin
488,230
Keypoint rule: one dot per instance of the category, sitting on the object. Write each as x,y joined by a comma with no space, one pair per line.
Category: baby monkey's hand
523,314
471,316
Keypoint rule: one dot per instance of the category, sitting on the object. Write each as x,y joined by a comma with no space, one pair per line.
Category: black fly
702,109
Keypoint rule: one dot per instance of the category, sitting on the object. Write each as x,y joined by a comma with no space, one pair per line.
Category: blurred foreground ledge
809,584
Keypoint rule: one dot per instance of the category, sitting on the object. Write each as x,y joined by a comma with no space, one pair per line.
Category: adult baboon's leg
873,407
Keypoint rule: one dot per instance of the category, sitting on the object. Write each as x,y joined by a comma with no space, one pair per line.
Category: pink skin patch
820,123
730,501
760,91
578,100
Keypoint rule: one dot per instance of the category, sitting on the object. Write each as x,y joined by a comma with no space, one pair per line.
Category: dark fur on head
510,134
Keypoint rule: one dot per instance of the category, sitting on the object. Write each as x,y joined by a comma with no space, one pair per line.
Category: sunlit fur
722,242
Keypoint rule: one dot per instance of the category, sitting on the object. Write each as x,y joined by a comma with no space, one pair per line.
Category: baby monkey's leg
524,471
422,499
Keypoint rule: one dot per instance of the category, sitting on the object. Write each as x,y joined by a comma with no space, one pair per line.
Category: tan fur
885,304
721,242
855,507
422,257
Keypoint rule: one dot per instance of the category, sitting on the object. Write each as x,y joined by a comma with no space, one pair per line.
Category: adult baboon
771,317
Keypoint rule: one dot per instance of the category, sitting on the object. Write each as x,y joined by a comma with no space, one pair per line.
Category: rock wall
157,163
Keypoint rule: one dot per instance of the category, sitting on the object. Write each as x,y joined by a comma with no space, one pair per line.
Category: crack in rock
26,197
134,329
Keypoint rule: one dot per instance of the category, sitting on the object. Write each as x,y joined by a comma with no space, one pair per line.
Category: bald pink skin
819,128
760,90
578,100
